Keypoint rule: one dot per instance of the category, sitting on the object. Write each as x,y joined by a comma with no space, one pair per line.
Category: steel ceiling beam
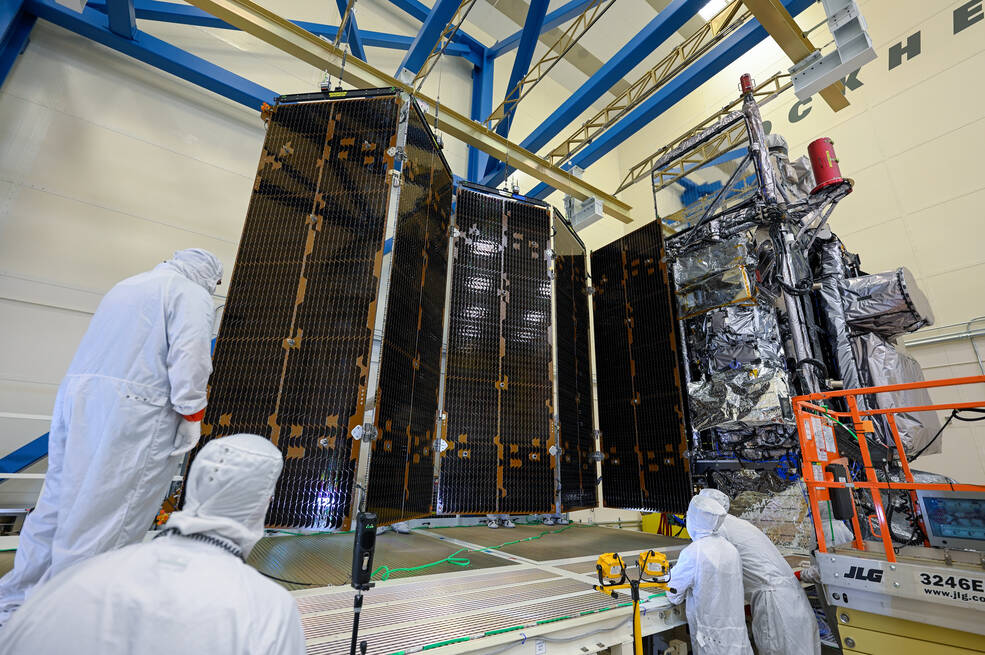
428,36
572,34
698,43
172,12
307,47
556,18
772,15
734,46
350,28
481,104
533,26
146,48
640,46
15,31
444,40
121,18
420,11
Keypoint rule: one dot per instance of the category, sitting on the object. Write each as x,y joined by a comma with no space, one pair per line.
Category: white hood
718,497
199,266
704,517
228,489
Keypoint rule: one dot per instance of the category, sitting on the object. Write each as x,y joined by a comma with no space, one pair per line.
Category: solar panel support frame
360,484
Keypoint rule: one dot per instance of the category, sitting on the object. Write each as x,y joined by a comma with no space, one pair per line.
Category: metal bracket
596,456
366,432
398,153
395,177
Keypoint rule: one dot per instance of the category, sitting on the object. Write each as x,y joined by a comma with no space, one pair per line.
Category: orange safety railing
818,447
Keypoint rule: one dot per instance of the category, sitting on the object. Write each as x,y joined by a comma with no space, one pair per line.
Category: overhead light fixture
710,9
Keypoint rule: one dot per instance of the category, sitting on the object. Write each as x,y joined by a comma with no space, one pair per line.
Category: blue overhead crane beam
122,20
428,36
351,31
24,456
482,92
420,11
170,12
556,18
729,50
532,28
148,49
658,30
15,31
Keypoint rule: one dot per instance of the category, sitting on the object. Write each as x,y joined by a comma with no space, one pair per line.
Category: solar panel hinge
398,153
366,432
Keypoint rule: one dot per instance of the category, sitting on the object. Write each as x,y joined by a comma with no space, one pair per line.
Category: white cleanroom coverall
115,442
186,592
783,622
708,575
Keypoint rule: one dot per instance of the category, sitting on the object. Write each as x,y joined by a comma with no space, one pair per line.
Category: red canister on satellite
746,84
824,162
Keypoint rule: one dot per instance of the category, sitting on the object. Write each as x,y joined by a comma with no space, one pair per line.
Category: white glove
187,436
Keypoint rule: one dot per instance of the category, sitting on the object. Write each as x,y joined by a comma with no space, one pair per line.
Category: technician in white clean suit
783,622
129,407
708,574
188,591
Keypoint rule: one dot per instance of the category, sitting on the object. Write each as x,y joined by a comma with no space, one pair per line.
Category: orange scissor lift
886,596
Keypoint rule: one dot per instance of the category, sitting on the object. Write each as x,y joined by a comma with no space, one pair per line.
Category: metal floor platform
322,560
543,587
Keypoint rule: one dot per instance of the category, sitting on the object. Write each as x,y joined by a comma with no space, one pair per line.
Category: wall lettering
911,50
967,15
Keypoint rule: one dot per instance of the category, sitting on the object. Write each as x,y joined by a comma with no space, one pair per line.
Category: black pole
364,543
357,608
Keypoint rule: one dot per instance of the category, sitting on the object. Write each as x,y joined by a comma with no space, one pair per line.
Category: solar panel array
574,379
292,355
499,371
401,481
641,406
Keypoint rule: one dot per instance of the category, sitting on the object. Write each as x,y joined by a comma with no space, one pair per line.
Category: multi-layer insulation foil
717,276
293,355
574,376
885,364
499,391
641,404
888,304
734,337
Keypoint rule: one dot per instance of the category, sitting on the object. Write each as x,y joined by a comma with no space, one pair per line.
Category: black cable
816,363
931,442
302,584
955,414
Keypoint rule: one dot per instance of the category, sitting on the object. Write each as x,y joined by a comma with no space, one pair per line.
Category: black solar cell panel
574,383
293,352
641,406
499,384
401,480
